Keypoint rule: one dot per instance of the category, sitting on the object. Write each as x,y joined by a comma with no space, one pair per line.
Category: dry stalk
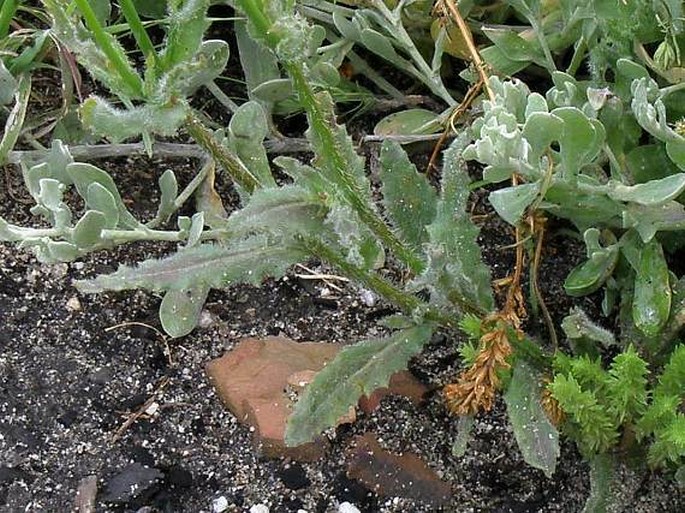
477,386
449,9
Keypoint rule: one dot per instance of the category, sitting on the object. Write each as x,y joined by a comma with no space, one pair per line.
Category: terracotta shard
388,474
252,380
401,383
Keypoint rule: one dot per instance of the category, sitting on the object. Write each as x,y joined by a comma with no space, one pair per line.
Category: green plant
600,151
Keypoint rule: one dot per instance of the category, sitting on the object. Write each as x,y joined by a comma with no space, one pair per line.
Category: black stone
294,477
179,477
133,481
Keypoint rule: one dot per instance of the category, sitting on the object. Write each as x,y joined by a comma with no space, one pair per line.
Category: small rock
219,504
206,320
132,481
299,380
294,477
252,382
179,477
73,304
388,474
85,495
259,508
346,507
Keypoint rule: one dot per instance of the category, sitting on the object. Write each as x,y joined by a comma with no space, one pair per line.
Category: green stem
578,56
115,55
225,158
406,302
423,71
262,24
671,89
139,32
320,125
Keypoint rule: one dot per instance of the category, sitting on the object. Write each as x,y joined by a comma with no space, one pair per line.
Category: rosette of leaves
559,146
154,102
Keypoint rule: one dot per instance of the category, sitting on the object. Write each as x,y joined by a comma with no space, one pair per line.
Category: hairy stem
405,301
222,155
338,165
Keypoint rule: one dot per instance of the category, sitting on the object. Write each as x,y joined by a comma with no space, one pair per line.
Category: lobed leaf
511,202
654,192
408,197
84,176
247,261
99,116
357,370
455,273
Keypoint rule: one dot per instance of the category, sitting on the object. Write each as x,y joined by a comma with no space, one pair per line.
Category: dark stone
179,477
142,456
132,403
131,482
387,474
68,418
294,477
102,376
198,426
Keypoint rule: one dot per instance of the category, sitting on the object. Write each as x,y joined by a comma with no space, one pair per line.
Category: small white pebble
74,304
207,319
346,507
367,297
259,508
152,409
301,511
219,504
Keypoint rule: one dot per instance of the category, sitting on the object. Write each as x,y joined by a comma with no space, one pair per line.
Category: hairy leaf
536,436
581,330
357,370
455,273
186,77
601,475
279,211
187,24
248,261
102,118
409,198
